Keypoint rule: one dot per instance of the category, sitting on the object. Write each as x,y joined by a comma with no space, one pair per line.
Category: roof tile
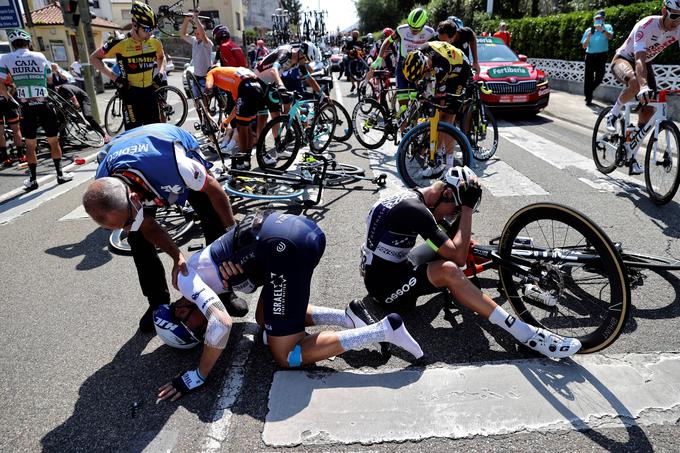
52,15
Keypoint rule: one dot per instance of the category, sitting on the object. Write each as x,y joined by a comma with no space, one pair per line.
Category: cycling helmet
672,4
387,32
369,38
171,330
417,18
221,33
17,34
458,179
143,14
309,50
414,65
456,20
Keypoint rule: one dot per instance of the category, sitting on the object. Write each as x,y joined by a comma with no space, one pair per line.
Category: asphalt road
77,376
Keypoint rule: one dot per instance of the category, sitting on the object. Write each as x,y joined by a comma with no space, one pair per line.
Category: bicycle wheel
343,126
336,174
662,169
369,121
278,151
175,220
415,167
575,282
483,133
113,116
365,90
172,104
262,188
320,133
80,131
606,144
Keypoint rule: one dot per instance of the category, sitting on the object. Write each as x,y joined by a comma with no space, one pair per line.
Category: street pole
489,7
27,13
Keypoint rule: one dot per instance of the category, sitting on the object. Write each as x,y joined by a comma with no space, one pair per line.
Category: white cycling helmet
310,51
18,33
672,4
458,179
171,330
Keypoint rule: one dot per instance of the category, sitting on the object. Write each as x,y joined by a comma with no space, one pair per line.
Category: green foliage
559,36
294,6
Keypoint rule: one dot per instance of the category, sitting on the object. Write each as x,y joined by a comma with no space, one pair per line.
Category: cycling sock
515,327
32,168
449,160
57,166
390,329
323,316
616,109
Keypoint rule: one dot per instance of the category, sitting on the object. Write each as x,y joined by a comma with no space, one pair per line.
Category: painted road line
77,214
561,158
537,395
47,191
502,180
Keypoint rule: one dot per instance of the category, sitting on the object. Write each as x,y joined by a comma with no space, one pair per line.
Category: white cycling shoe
433,171
611,122
552,345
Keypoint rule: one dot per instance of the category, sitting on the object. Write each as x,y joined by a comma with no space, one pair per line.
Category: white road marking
77,214
537,395
561,157
502,180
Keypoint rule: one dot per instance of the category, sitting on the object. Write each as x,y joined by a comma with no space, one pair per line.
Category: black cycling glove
121,83
188,382
158,79
471,195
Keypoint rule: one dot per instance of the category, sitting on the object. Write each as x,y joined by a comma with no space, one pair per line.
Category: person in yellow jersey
137,55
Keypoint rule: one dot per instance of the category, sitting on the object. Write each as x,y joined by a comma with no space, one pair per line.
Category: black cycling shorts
9,113
250,101
140,107
398,285
35,115
289,270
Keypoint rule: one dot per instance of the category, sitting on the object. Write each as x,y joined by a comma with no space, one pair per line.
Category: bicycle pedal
197,126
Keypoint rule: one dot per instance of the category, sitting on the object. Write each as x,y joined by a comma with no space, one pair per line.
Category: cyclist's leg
648,111
131,114
624,71
403,87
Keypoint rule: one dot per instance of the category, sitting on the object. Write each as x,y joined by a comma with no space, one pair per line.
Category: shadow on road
93,248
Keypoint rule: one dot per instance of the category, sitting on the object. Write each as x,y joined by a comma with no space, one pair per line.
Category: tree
294,7
378,14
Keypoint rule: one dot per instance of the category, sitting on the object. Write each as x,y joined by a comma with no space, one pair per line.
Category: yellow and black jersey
448,62
137,59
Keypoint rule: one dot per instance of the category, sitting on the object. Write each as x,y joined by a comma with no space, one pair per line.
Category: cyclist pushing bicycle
632,66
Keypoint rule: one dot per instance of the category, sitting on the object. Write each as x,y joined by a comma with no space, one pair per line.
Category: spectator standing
596,42
252,55
229,53
503,33
262,50
201,46
76,69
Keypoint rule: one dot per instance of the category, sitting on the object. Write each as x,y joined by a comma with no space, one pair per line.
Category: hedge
559,36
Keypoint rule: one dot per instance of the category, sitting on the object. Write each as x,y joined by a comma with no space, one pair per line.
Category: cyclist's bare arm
473,48
98,64
383,47
160,61
641,68
313,84
183,30
456,249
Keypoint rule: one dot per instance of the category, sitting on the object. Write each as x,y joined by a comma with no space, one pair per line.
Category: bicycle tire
113,116
344,123
289,139
416,143
368,117
342,174
596,323
182,103
666,167
173,220
262,189
600,149
365,90
480,131
82,132
642,261
320,132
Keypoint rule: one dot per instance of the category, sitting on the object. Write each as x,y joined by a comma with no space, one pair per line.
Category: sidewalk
571,107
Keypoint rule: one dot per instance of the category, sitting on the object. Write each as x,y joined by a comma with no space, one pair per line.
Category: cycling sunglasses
674,16
146,29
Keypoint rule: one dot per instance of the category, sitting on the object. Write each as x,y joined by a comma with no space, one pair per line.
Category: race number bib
31,92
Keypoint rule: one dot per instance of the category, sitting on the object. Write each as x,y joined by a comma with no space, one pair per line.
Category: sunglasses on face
674,16
140,27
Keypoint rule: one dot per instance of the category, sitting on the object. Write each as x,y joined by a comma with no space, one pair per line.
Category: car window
491,52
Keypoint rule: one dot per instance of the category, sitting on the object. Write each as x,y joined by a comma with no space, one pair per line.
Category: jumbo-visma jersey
137,59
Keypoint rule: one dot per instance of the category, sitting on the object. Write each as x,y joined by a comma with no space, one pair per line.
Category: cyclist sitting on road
393,225
247,94
447,71
632,65
147,167
409,37
9,116
137,54
279,253
31,73
81,101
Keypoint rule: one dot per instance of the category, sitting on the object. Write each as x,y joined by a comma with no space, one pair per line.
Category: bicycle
308,122
480,125
424,146
206,124
616,149
172,104
169,18
72,122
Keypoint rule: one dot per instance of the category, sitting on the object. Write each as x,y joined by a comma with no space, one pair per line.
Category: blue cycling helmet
171,330
456,20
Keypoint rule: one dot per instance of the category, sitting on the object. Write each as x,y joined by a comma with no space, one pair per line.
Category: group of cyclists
151,165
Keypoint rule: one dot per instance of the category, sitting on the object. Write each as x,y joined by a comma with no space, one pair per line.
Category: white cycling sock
515,327
616,109
391,329
323,316
449,160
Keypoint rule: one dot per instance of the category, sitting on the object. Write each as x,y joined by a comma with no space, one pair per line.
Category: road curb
19,190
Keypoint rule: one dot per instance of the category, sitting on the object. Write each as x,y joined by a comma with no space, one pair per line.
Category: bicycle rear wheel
576,283
343,126
483,133
113,116
415,166
258,188
278,151
82,132
172,104
322,128
606,144
369,121
662,166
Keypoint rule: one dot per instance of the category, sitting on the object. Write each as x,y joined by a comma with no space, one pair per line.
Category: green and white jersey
29,71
